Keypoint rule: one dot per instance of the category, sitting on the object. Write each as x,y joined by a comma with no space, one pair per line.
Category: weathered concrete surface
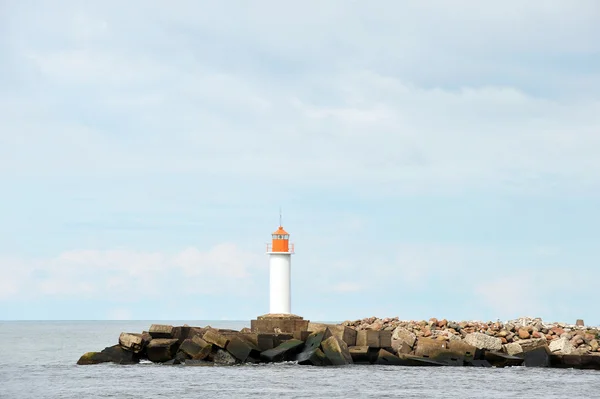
386,358
464,349
539,357
311,353
368,338
336,351
400,347
360,354
195,348
161,331
499,359
223,357
131,342
212,336
403,335
411,360
161,350
531,343
483,341
242,349
346,334
512,349
584,362
278,323
284,352
427,347
562,346
314,357
385,339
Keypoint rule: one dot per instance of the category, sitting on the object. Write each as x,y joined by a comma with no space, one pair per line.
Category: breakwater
389,341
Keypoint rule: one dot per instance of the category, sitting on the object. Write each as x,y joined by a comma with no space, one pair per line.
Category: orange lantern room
281,242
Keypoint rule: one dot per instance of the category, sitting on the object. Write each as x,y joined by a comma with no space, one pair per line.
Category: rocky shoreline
390,341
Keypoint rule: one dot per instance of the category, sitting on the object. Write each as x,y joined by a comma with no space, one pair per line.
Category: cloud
392,130
131,275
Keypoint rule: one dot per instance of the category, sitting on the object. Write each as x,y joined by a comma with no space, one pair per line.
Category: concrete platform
278,323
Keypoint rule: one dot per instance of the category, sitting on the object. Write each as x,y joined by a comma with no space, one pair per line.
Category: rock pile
512,337
390,341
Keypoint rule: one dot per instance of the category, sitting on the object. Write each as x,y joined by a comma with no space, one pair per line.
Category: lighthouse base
278,323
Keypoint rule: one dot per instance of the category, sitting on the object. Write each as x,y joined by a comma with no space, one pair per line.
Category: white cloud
127,275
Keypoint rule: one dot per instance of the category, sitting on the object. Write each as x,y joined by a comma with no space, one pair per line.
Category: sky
431,158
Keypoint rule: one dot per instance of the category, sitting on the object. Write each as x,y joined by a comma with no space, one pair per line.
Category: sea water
38,360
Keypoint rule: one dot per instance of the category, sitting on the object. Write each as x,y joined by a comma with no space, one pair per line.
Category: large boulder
484,341
336,351
284,352
513,348
403,335
115,354
562,346
132,342
161,350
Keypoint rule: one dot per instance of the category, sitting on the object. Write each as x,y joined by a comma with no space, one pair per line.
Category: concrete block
241,349
213,336
385,339
161,331
161,349
314,357
284,352
360,354
539,357
368,338
499,359
386,358
131,342
336,351
346,334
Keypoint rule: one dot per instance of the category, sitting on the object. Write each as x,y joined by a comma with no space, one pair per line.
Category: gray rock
225,358
483,341
403,335
513,349
561,346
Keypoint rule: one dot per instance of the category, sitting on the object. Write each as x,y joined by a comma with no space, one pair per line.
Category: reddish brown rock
523,334
536,334
442,323
557,331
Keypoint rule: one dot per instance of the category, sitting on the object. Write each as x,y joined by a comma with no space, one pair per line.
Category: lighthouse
280,253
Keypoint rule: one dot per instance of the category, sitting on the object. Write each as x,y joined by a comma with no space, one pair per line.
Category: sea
38,360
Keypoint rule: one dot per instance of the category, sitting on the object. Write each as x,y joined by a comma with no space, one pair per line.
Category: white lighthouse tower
280,253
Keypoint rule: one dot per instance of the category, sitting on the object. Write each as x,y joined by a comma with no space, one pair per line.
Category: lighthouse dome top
281,231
